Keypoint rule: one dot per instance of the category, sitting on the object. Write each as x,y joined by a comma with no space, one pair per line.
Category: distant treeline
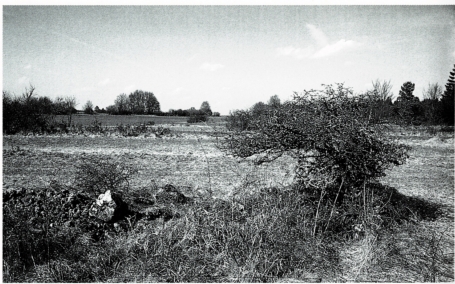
437,107
32,113
140,102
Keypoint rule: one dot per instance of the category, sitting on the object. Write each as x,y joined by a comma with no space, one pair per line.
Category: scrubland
247,222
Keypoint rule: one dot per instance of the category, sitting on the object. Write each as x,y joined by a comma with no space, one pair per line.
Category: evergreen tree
405,94
447,100
407,106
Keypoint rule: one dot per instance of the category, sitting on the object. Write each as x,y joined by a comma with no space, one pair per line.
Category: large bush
330,134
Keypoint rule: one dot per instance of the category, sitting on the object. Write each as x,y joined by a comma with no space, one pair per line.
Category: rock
104,198
170,194
108,207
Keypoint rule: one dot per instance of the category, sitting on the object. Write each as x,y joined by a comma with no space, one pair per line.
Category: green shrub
95,127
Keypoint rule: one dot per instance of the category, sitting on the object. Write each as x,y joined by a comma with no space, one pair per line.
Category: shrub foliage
330,134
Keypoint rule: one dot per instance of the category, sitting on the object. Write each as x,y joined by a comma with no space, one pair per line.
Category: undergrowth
260,237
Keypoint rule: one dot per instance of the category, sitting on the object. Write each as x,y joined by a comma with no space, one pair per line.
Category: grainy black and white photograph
189,142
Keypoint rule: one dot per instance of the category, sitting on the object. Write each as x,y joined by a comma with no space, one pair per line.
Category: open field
184,160
113,120
190,160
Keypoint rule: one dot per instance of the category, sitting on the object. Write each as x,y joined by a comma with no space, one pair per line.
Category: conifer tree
447,100
407,105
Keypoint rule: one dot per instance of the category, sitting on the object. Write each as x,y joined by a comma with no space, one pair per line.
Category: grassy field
190,159
113,120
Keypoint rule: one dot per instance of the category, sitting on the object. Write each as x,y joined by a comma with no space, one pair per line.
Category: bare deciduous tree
434,92
383,90
122,103
66,106
28,94
381,96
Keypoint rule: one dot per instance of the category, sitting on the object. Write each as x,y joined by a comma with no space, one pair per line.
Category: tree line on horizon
30,112
140,102
437,106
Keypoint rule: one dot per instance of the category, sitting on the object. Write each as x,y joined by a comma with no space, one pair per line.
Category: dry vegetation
241,228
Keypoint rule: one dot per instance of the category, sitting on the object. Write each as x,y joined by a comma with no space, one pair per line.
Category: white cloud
29,66
453,54
299,53
321,40
104,82
211,66
318,35
333,48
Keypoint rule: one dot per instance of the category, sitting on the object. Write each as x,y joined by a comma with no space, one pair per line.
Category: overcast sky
230,56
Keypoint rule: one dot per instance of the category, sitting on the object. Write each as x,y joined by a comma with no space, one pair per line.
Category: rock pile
58,205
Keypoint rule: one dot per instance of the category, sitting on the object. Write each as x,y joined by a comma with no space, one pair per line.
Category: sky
230,56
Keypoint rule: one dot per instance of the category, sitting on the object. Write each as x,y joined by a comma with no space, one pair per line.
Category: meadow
418,250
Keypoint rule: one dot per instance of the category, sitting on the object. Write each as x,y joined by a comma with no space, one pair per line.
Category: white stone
104,198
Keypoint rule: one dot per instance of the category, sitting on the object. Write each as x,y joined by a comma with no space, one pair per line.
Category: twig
334,204
317,213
